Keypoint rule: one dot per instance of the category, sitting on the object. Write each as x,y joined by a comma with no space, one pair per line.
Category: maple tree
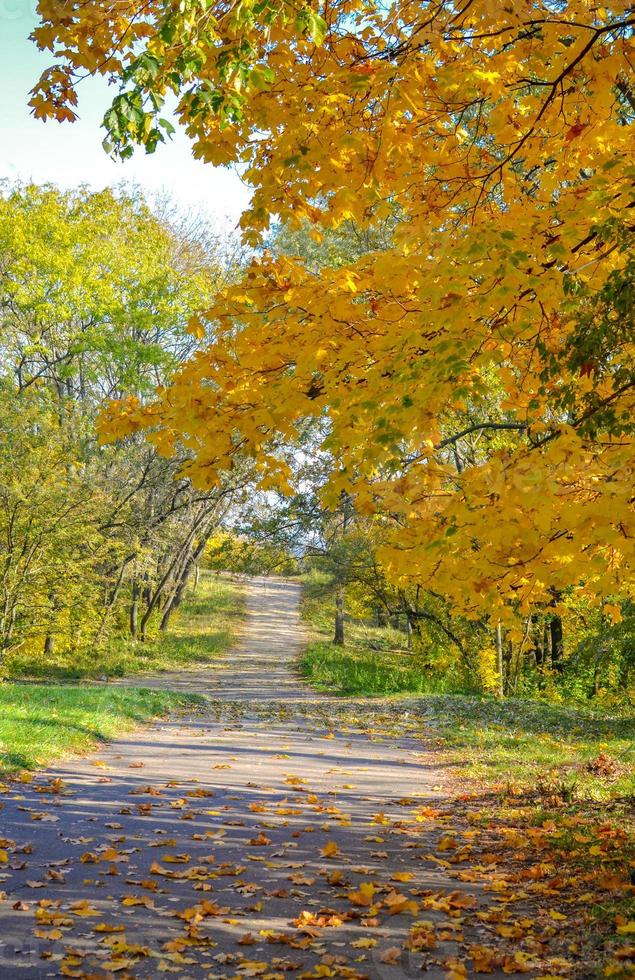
475,376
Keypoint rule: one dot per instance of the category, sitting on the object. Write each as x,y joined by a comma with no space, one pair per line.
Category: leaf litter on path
282,839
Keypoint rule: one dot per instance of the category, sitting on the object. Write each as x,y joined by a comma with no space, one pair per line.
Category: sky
69,154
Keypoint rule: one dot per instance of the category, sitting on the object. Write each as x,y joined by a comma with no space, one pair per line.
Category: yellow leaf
363,895
196,327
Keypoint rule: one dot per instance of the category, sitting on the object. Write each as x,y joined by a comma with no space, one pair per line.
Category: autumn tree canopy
474,372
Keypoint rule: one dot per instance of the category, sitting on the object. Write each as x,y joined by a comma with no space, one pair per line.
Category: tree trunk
412,625
49,644
339,618
557,643
181,561
173,603
197,576
134,609
508,669
174,600
8,623
538,640
109,603
500,661
546,643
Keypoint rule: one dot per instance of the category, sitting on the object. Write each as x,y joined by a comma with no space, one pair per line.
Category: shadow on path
267,836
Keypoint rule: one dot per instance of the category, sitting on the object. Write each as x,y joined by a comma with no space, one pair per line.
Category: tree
499,136
95,297
96,292
51,548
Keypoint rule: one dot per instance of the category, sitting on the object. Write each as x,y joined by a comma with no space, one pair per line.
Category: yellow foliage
499,141
488,671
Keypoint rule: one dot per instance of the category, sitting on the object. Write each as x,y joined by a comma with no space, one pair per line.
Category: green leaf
317,28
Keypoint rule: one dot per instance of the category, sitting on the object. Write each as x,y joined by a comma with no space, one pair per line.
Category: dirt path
261,665
273,835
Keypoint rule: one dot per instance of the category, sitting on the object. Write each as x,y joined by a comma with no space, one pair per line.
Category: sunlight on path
269,836
261,663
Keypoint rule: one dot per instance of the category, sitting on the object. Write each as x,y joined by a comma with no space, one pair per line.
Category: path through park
274,834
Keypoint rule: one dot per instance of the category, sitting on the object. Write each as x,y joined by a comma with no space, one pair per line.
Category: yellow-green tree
95,295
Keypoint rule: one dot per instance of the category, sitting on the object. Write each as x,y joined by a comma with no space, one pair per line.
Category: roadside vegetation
98,543
551,746
199,634
44,716
374,661
100,546
535,783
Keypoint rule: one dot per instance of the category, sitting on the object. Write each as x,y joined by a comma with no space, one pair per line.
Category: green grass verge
374,662
358,671
202,629
537,747
40,723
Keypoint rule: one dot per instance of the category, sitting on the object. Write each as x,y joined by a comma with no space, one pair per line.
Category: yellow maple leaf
363,895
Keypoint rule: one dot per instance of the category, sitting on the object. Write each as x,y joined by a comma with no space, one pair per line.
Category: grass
374,662
358,671
43,719
202,630
41,723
